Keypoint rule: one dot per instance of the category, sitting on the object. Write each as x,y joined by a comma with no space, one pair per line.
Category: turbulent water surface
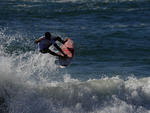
111,68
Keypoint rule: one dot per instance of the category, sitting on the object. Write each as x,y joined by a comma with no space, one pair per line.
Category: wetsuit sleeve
59,39
38,40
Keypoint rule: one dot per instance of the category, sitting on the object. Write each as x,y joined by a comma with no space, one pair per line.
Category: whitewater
32,83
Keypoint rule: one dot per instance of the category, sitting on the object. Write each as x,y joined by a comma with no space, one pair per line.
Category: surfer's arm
60,40
38,40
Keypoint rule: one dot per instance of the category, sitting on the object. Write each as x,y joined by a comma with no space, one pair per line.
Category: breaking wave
32,83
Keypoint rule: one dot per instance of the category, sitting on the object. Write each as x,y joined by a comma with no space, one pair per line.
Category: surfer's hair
47,34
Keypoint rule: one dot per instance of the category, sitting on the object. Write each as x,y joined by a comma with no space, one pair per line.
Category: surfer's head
48,35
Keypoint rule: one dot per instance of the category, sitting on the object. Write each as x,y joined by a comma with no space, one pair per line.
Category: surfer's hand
60,56
65,56
35,42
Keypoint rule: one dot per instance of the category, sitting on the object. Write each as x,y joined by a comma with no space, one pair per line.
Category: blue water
110,70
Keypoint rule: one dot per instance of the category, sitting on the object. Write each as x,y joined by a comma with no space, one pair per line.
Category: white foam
119,106
27,85
73,94
138,89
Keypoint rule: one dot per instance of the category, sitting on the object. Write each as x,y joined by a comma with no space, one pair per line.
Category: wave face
110,71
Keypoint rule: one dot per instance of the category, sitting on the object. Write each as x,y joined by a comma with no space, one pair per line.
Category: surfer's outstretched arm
38,40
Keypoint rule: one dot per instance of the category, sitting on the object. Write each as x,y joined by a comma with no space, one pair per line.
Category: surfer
46,41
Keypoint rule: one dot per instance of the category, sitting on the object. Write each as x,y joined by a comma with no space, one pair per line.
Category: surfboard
68,49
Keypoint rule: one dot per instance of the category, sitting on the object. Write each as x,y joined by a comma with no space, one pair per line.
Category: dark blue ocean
111,67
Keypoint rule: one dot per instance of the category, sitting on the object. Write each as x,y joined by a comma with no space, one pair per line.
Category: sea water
111,68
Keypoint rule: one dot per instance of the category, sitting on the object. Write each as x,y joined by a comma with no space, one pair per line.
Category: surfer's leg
43,51
53,53
58,48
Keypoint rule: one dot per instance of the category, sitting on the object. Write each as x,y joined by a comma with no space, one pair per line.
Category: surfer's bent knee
44,51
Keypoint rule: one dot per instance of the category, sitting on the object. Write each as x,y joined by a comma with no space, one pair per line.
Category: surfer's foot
65,56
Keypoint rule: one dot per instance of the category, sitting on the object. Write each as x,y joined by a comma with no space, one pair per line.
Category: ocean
110,72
